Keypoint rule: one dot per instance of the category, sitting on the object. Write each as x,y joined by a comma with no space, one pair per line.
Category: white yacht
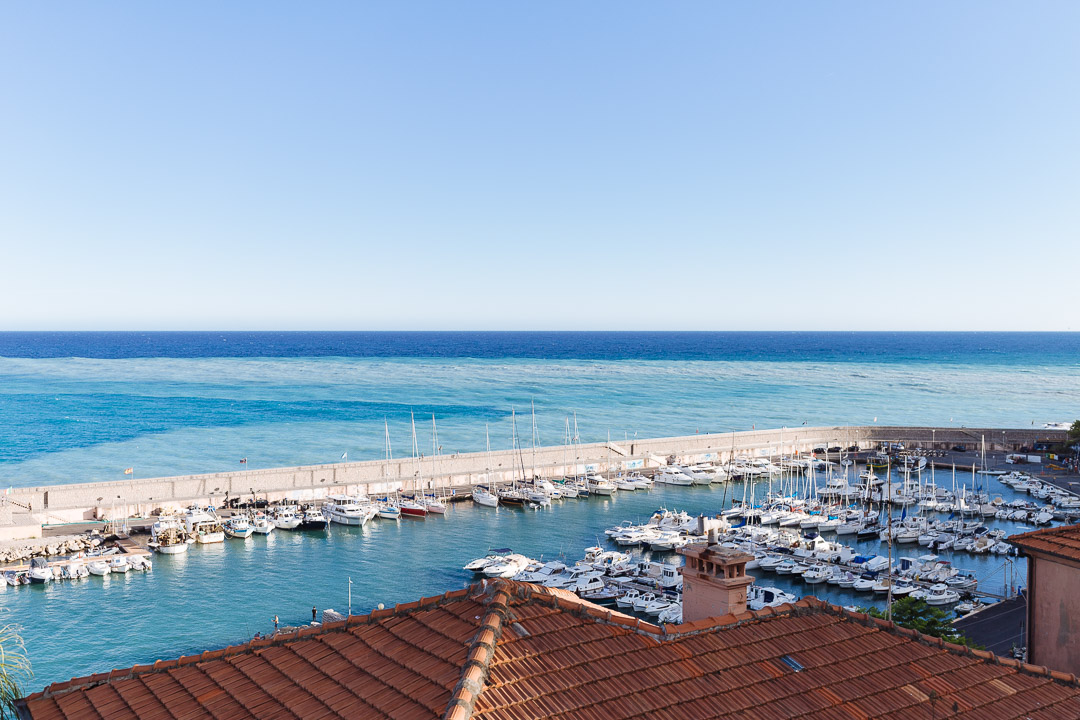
348,510
672,476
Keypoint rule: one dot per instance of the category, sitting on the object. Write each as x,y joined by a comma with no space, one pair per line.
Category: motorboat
284,517
657,606
763,596
98,567
507,567
816,574
642,601
348,510
139,562
312,518
545,572
599,486
261,524
119,564
238,526
39,571
627,599
864,584
73,571
672,476
672,615
495,555
940,594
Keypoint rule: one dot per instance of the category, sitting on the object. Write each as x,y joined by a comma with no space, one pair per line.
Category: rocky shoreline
20,551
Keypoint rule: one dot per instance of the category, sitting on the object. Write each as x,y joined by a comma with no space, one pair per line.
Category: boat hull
172,549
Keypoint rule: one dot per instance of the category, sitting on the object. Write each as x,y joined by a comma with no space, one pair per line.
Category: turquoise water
78,407
81,420
217,595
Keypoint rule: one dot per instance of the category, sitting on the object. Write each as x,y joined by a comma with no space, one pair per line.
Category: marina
359,550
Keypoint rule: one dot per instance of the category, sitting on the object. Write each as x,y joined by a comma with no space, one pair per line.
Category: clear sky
540,165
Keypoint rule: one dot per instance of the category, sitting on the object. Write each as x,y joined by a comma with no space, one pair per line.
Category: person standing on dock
275,623
313,613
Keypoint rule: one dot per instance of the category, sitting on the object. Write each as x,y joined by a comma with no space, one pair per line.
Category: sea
85,406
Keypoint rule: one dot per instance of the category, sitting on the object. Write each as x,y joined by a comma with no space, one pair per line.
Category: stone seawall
35,506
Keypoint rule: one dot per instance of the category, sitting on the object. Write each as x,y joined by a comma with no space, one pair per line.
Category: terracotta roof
511,650
1062,541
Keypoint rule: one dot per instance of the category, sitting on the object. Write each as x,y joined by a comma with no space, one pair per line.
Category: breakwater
28,509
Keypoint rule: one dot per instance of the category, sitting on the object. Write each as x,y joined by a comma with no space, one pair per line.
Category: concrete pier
27,509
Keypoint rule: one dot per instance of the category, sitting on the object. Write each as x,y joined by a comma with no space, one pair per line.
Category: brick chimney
714,581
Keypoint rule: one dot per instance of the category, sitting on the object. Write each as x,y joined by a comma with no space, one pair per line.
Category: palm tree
14,669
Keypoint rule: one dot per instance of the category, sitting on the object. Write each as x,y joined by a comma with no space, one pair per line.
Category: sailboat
513,496
482,495
431,501
413,508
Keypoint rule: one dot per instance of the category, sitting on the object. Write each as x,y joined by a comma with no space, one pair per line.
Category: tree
14,669
1074,431
917,615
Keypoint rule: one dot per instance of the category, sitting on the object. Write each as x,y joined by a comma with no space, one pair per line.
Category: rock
329,615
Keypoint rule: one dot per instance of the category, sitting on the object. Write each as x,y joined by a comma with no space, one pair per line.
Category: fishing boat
261,525
238,527
312,518
203,525
284,517
168,536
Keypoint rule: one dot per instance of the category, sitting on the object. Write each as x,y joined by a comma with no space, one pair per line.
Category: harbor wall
53,504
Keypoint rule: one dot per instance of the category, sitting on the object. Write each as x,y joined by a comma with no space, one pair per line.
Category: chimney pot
714,581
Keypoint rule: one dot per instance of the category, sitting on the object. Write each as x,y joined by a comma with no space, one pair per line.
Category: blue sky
601,165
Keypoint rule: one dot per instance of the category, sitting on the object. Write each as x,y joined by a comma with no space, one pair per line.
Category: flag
903,515
129,471
344,456
243,461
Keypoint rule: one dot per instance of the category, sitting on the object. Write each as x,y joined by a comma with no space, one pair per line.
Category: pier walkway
80,502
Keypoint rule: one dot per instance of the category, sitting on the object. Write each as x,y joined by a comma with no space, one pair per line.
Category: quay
28,511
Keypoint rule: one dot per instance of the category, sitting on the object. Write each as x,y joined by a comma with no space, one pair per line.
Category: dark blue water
985,347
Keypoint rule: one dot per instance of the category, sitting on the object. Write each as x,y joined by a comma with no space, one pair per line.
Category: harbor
286,572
